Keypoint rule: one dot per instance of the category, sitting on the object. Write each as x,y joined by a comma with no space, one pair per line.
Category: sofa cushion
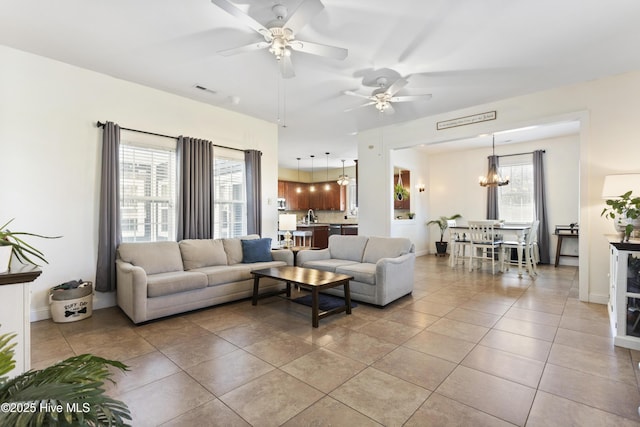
347,247
198,253
233,248
364,272
256,250
327,264
153,257
385,247
174,282
222,274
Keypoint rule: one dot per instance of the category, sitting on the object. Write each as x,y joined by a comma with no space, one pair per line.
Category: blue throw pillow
256,250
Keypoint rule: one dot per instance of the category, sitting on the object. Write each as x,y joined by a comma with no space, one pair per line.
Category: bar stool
303,235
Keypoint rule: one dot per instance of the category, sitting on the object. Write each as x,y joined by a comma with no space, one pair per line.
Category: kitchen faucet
310,216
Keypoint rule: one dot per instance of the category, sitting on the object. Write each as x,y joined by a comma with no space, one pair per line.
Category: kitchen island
322,231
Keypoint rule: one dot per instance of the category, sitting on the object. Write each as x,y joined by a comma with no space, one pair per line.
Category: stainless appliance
282,204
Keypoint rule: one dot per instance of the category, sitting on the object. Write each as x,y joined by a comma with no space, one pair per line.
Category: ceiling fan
279,34
384,95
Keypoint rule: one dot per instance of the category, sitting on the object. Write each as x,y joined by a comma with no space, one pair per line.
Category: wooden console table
562,232
15,305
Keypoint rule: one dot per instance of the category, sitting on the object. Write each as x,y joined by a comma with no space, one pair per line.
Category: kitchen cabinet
349,229
624,292
294,200
328,196
405,203
320,234
320,200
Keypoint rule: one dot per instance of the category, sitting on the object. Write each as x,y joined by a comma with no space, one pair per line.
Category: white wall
456,190
416,162
51,154
607,109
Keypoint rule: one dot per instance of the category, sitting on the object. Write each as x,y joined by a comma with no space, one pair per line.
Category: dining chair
526,251
459,244
484,245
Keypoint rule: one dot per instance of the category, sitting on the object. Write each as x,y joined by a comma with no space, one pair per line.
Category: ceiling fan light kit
280,34
385,95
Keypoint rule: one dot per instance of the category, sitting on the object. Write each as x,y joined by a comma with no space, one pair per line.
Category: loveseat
157,279
382,267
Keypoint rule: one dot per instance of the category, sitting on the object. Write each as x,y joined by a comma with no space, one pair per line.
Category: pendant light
343,179
327,187
312,187
298,189
493,178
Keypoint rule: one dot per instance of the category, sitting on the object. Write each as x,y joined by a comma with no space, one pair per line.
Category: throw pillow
257,250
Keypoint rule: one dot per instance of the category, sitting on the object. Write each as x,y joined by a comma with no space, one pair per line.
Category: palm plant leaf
76,384
21,249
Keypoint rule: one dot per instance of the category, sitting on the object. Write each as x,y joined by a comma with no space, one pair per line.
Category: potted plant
399,192
441,246
626,211
11,243
69,393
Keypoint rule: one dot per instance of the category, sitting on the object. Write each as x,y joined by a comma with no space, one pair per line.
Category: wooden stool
303,236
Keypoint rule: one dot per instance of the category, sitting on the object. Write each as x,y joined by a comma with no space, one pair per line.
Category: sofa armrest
307,255
131,290
394,276
282,255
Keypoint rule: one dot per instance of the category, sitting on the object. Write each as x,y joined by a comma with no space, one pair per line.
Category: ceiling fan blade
396,86
242,49
246,19
360,106
407,98
349,92
303,14
286,67
319,49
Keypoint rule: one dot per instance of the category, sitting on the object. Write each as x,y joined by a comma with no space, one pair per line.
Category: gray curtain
195,183
539,197
109,234
492,193
253,167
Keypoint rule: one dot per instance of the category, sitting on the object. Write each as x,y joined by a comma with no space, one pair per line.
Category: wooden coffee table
306,278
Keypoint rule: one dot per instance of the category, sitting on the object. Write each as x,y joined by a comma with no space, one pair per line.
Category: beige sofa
157,279
382,267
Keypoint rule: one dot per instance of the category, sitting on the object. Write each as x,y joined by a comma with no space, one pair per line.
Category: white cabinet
15,301
624,293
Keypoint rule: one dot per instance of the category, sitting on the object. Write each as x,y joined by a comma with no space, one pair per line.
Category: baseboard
599,299
100,300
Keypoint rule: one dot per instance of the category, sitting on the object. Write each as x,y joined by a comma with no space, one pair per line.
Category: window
515,201
147,193
230,200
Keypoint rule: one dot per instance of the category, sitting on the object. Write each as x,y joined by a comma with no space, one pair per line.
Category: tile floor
463,349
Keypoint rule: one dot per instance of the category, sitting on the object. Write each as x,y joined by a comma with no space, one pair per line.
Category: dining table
518,231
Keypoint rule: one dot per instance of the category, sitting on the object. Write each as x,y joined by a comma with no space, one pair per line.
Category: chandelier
493,178
343,179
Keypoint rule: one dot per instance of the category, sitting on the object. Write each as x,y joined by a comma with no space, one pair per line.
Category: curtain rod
101,125
520,154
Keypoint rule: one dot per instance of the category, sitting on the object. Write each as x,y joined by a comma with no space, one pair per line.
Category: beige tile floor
465,349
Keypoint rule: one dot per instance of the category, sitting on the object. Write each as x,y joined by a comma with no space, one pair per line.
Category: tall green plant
69,393
442,223
21,249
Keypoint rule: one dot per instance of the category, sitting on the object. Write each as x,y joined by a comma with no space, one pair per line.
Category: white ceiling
464,52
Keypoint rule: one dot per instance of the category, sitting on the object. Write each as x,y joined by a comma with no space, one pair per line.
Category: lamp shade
616,185
287,222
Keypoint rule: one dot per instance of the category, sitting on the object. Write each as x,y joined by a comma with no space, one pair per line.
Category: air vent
204,89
